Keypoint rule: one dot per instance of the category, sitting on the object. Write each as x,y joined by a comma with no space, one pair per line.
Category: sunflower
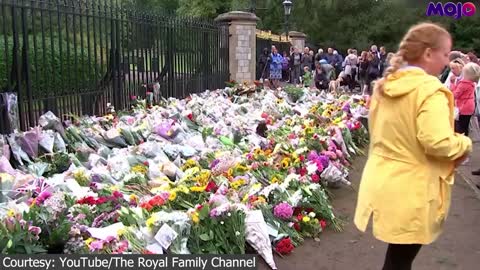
308,130
274,180
285,163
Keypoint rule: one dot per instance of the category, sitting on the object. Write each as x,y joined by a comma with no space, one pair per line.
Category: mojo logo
456,10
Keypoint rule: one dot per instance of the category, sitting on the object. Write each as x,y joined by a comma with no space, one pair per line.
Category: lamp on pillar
287,6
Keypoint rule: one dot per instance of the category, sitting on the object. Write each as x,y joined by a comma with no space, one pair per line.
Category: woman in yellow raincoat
414,150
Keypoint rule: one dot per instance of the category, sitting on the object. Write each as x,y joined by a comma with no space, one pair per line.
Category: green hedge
47,76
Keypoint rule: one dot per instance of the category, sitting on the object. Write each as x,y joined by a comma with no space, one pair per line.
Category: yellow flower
183,189
109,117
121,232
151,221
195,218
88,241
113,188
261,199
139,169
308,130
306,219
133,198
257,151
274,180
11,213
189,164
285,163
173,196
238,183
198,189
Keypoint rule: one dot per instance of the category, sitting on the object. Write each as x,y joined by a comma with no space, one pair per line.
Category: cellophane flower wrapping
257,236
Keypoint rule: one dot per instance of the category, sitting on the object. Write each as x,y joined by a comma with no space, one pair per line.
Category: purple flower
96,178
312,155
96,245
214,163
35,230
346,107
283,211
325,160
214,213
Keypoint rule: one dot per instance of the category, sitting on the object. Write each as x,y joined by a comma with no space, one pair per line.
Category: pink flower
319,165
315,178
35,230
283,211
110,239
42,197
96,245
255,166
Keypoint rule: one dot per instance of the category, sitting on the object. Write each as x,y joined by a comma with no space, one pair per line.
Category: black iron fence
76,56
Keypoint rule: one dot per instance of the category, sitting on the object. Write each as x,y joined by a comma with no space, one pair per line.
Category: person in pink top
464,93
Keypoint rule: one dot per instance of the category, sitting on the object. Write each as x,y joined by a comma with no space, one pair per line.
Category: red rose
315,178
302,171
146,163
284,246
190,116
211,187
302,158
156,201
101,200
323,224
264,115
296,226
146,206
299,217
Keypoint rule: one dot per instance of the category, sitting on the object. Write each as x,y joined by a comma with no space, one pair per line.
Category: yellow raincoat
406,183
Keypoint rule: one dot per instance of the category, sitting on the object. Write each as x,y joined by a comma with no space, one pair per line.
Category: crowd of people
462,77
330,69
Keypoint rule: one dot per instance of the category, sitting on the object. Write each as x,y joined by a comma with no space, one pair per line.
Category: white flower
311,168
237,233
311,214
229,214
221,222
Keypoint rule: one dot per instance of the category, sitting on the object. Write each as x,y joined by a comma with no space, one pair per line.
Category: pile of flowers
207,174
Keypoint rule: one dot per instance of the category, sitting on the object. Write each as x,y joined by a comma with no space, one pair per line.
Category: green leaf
204,237
10,243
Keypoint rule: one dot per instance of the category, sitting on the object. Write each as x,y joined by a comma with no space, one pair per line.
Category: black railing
75,56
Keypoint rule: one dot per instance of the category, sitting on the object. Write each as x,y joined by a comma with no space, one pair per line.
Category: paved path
457,249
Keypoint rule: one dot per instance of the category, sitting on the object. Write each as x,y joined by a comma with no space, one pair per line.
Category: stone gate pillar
297,39
242,44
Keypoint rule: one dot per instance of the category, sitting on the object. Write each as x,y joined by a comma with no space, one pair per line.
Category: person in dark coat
263,70
330,57
320,77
